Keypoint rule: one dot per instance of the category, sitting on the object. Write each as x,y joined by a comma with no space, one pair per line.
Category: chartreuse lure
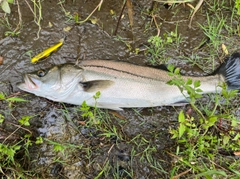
47,52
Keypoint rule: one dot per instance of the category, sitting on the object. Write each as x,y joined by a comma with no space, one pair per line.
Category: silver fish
122,85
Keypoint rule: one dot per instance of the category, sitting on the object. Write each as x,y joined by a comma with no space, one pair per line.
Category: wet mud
87,150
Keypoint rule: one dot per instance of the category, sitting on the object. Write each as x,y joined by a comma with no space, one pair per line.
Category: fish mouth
29,83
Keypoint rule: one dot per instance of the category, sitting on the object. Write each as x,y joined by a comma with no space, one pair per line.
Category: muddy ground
121,155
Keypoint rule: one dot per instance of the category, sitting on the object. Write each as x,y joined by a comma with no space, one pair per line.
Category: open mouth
31,84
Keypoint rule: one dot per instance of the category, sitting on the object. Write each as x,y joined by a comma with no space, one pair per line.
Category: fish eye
41,73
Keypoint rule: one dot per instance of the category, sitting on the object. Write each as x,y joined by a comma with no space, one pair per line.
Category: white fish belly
134,92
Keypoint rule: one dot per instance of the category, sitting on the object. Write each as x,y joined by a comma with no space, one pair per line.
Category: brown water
94,41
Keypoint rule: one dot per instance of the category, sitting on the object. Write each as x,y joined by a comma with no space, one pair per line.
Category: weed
213,31
75,16
68,13
62,147
88,113
159,45
197,137
10,164
237,5
10,31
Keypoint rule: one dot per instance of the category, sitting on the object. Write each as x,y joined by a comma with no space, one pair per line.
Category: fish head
56,83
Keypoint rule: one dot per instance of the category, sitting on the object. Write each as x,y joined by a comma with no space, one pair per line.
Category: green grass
10,149
10,30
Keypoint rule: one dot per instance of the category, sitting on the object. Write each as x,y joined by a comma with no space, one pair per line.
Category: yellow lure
47,52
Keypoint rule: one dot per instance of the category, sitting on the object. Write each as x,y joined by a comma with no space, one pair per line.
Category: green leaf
1,118
198,95
169,40
197,84
177,71
211,173
234,123
174,133
11,1
58,147
16,99
189,81
199,90
2,96
189,90
39,140
226,139
170,67
17,147
5,7
97,95
211,121
170,82
182,129
181,117
237,5
25,120
236,137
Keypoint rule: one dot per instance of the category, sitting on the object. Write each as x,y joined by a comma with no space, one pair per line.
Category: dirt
64,124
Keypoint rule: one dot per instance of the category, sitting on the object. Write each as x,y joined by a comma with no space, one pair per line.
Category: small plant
10,30
10,150
25,120
192,88
203,137
88,113
10,99
159,45
59,146
213,31
237,5
9,161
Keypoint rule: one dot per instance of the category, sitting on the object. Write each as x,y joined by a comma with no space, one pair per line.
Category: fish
47,52
121,85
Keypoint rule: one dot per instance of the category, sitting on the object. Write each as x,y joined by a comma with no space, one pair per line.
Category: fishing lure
47,52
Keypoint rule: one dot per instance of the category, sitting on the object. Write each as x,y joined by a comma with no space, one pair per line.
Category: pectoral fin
96,85
180,103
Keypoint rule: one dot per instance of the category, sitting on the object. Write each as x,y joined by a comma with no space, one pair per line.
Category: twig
119,18
98,6
171,1
181,174
155,22
19,127
130,12
20,18
105,161
29,6
194,12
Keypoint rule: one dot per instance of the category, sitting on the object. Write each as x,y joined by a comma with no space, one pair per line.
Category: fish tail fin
230,70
